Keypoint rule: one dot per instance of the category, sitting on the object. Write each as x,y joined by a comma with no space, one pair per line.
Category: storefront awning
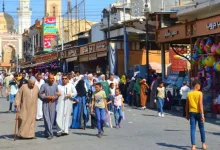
71,59
120,32
84,58
102,54
93,56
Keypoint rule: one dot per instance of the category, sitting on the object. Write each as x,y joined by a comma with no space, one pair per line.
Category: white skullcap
32,78
90,75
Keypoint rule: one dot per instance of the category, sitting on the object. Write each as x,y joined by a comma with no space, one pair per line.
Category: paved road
142,130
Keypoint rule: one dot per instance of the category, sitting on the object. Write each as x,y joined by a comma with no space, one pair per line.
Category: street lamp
147,13
106,13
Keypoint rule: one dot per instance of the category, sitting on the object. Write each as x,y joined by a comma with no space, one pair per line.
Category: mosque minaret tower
24,15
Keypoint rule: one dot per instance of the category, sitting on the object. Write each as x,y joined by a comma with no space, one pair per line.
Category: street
141,130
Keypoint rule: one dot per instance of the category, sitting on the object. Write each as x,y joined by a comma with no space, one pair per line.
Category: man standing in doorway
49,94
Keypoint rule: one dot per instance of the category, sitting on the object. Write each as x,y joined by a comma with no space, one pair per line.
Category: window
118,45
54,11
37,40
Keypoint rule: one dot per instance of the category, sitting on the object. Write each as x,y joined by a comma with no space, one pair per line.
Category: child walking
111,98
160,99
100,105
118,108
195,113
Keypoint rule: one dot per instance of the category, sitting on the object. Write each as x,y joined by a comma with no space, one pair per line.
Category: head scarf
137,86
123,79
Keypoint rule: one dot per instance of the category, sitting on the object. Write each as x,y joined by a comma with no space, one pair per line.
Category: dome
6,22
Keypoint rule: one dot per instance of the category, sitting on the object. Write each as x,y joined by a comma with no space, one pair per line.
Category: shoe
59,134
50,137
9,111
159,114
117,127
204,147
102,130
162,115
99,135
64,134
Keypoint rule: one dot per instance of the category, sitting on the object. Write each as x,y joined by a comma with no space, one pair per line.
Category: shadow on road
149,115
173,146
86,134
5,112
170,130
216,134
7,137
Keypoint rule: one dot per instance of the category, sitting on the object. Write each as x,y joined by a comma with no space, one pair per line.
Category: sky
93,8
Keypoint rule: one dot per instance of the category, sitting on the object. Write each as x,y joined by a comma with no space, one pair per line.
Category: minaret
24,15
3,6
53,8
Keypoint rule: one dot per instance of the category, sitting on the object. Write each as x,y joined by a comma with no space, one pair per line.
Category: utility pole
63,31
108,38
125,43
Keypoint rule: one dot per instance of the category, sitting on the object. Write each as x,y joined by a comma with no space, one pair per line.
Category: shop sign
92,48
101,46
171,33
66,46
212,26
49,31
71,53
46,57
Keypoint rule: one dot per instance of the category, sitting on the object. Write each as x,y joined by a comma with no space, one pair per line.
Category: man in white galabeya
39,82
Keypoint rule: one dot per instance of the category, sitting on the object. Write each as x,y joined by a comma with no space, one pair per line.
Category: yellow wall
139,57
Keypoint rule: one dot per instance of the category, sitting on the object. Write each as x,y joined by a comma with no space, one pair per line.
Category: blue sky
93,8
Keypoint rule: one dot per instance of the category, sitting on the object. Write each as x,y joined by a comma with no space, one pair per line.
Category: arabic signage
212,26
171,33
49,33
46,57
94,47
66,46
68,53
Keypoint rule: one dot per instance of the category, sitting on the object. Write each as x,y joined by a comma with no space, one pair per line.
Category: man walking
26,101
64,105
39,83
49,94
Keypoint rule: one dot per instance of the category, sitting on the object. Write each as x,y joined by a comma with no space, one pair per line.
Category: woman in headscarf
80,111
122,86
137,92
144,87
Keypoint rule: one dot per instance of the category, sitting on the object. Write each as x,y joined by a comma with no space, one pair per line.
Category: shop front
68,56
48,61
69,60
197,43
93,58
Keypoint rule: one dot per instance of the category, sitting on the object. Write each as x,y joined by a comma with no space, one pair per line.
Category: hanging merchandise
218,49
209,61
208,46
195,56
201,46
200,65
213,49
196,45
203,61
217,66
208,69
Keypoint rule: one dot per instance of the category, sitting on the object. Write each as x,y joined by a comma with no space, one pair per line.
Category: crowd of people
71,100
